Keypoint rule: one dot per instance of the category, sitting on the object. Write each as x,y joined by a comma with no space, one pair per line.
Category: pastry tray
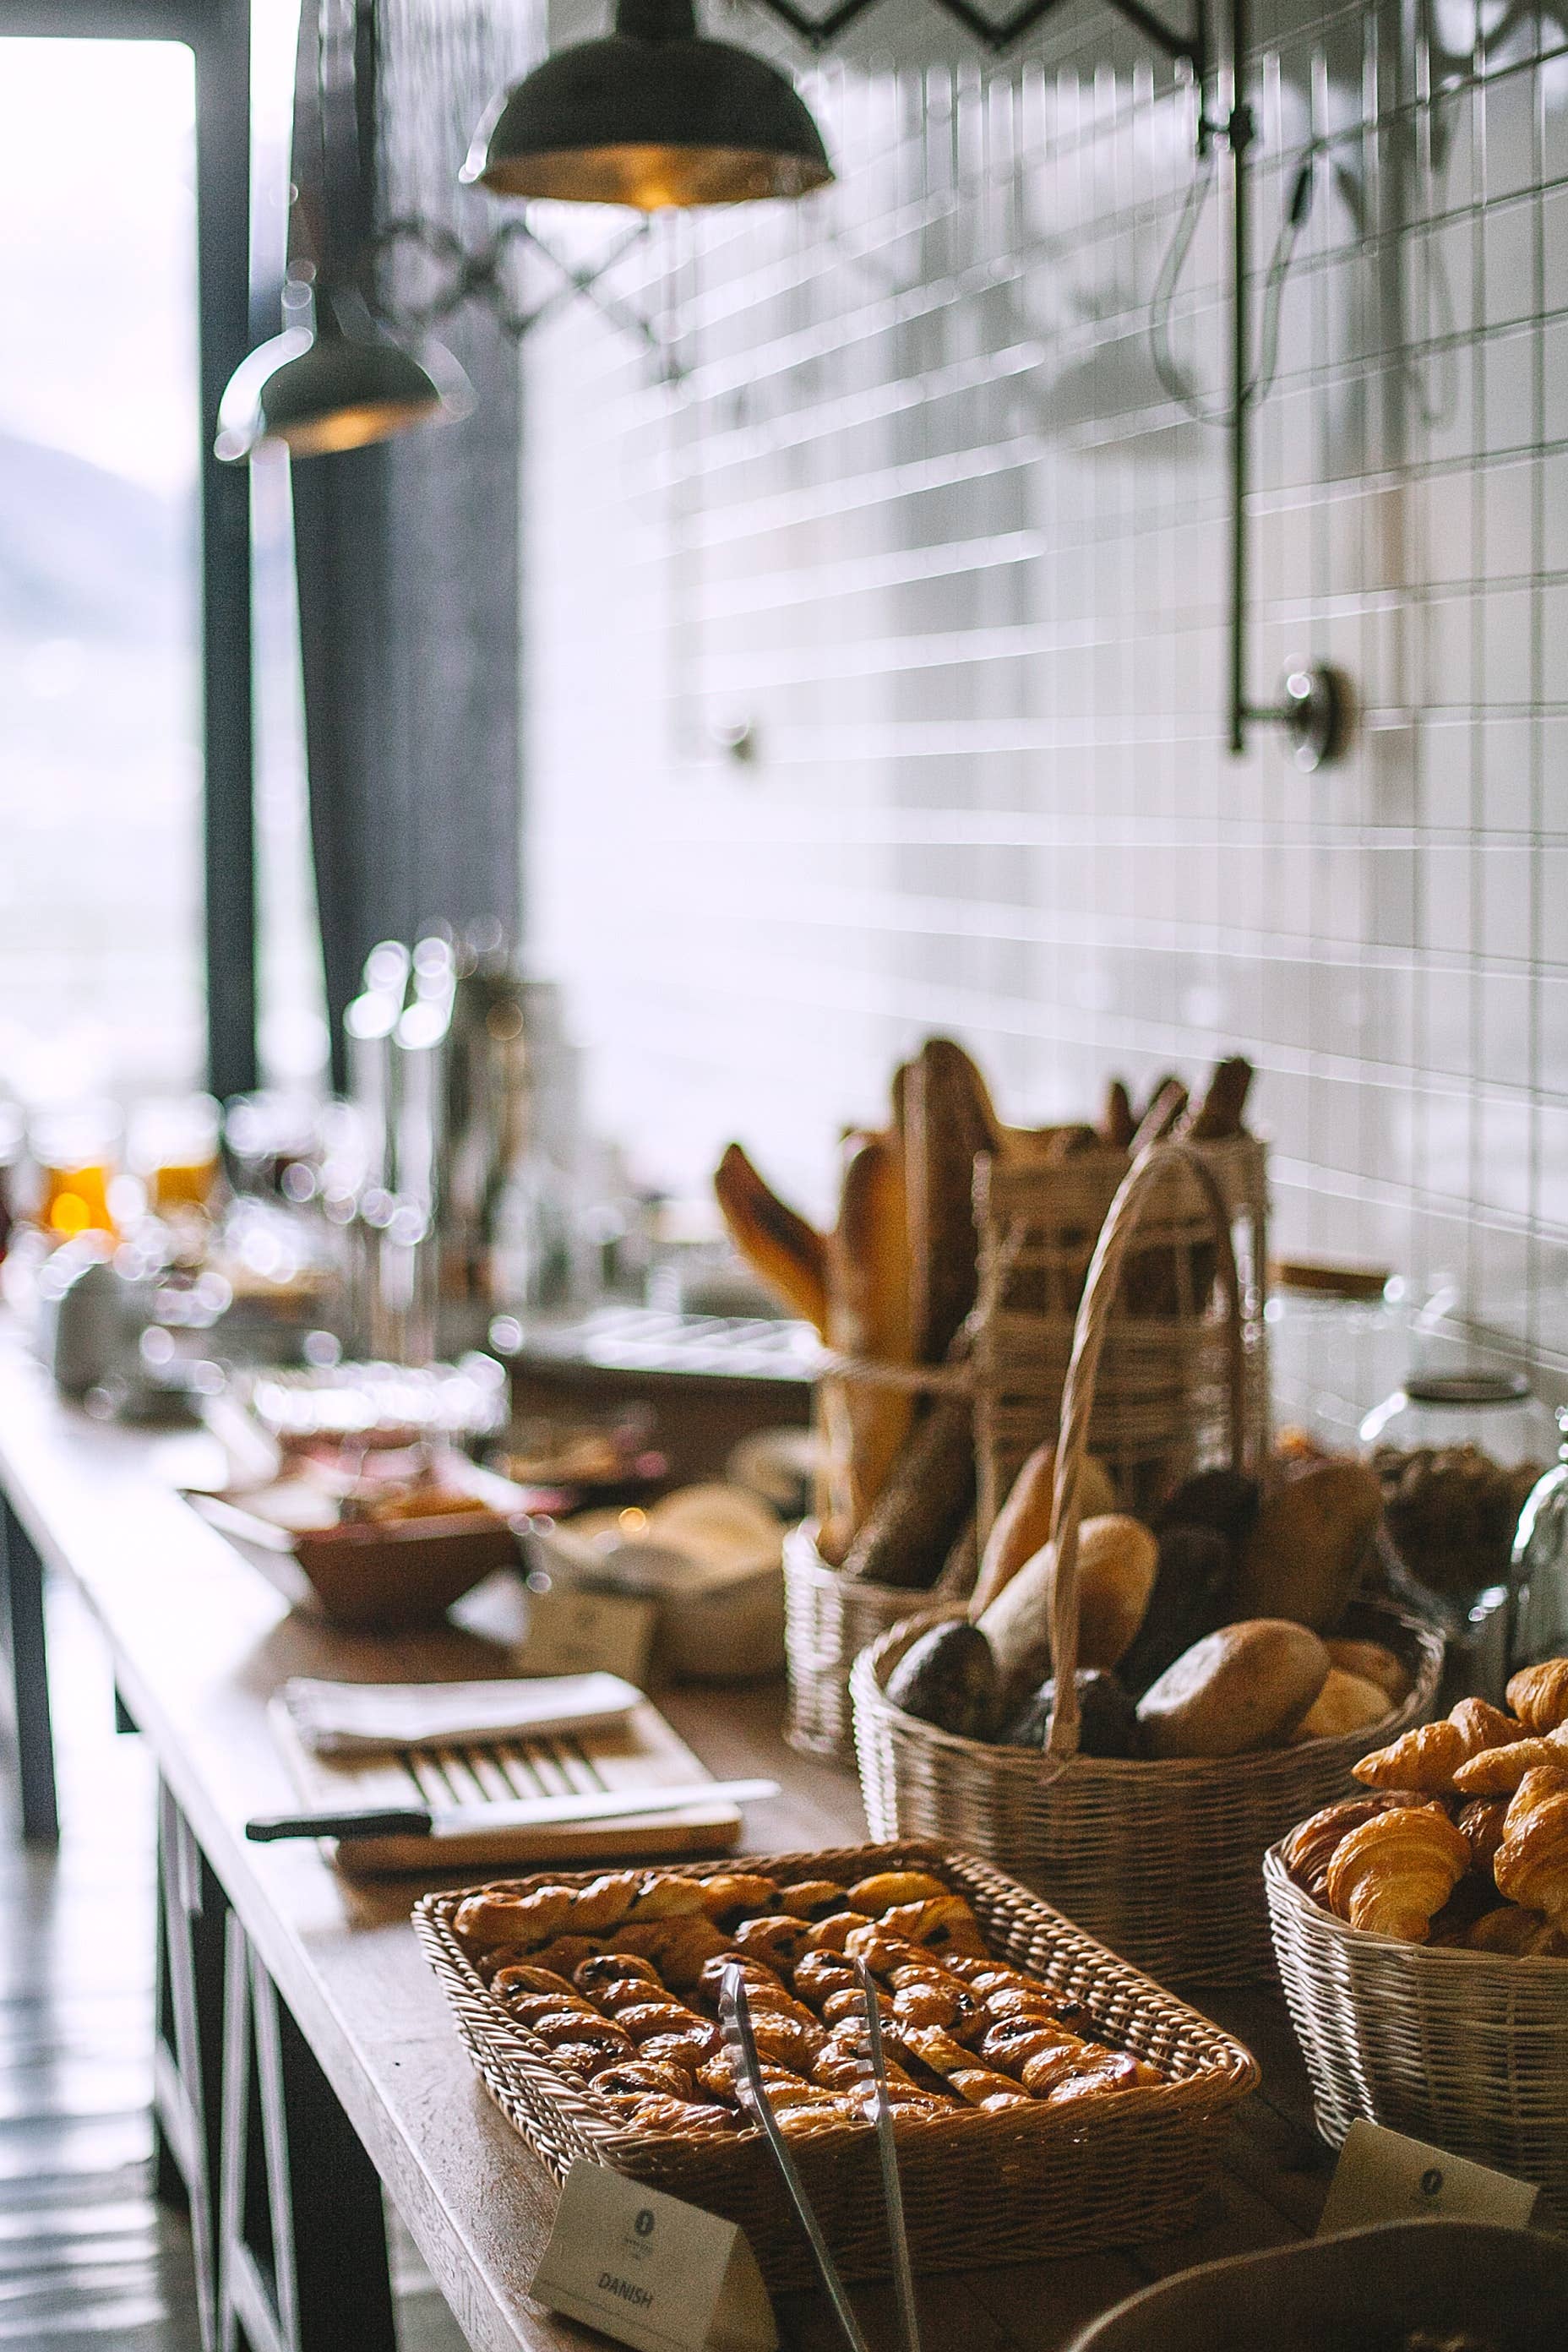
1017,2186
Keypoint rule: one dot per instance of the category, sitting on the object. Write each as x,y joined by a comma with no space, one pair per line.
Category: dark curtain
407,552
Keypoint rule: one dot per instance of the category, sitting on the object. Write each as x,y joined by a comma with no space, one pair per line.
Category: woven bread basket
1161,1404
1161,1859
1468,2050
977,2189
829,1618
1178,1377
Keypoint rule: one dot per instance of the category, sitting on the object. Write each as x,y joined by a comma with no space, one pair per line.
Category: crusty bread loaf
1247,1686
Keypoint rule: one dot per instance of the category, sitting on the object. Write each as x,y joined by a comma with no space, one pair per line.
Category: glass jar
1339,1339
1538,1599
1456,1455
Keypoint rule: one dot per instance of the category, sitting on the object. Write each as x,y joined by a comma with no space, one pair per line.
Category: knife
507,1813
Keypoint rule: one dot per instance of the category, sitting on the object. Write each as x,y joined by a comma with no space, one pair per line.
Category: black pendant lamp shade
338,385
651,114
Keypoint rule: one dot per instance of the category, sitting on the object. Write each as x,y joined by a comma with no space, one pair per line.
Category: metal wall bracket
1314,714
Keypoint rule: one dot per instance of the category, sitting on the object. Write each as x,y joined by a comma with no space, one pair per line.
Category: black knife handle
268,1828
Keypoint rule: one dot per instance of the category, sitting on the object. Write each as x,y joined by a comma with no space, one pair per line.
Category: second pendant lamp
649,115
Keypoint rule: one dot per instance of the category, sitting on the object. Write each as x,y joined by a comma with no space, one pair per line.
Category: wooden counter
200,1642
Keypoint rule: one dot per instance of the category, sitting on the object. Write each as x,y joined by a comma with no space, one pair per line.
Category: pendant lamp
333,381
651,114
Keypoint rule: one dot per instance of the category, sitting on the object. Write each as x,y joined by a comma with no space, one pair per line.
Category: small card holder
1382,2177
651,2270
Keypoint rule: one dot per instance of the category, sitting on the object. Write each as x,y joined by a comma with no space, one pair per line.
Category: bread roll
1345,1703
1117,1557
1024,1522
1373,1663
1307,1543
1247,1686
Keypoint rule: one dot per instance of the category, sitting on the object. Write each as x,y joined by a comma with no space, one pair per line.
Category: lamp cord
1260,383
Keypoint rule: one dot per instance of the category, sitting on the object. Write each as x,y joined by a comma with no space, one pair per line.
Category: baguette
1219,1115
867,1267
948,1118
790,1256
920,1513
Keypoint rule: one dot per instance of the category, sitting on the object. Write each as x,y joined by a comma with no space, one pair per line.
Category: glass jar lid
1466,1388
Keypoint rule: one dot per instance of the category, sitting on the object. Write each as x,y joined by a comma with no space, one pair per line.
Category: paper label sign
571,1632
652,2271
1384,2177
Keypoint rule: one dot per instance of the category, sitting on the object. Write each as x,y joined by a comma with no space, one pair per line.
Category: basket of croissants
1125,1718
945,1292
1422,1931
1045,2097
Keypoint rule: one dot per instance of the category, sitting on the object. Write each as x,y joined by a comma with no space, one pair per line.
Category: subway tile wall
875,669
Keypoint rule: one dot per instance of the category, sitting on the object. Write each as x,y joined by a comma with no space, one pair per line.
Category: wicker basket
828,1620
977,2189
1161,1402
1468,2050
1160,1858
1168,1396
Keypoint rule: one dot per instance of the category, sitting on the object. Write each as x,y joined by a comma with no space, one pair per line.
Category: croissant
1530,1865
1539,1695
1524,1934
1481,1824
1394,1874
1498,1771
1311,1846
1427,1758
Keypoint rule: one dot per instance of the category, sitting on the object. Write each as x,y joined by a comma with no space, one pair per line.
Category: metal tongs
735,2016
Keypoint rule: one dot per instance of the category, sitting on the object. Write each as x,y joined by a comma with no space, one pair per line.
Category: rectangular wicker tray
978,2189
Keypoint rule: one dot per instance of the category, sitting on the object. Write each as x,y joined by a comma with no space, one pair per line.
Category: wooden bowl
1366,2292
378,1578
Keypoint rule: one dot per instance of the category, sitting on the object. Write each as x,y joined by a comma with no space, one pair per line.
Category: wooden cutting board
640,1752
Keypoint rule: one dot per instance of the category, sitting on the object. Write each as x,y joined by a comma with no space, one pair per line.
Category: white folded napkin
353,1718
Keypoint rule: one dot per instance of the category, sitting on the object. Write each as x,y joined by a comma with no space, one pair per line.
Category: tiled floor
86,2256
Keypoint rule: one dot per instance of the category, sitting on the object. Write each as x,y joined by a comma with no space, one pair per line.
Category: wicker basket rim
802,1556
1226,2073
866,1680
1280,1883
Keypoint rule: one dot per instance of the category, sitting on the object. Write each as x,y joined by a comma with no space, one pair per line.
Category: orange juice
181,1184
76,1201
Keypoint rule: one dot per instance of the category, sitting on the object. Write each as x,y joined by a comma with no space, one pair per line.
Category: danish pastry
813,1899
682,2118
738,1894
510,1981
604,1902
595,1976
641,2021
670,1898
879,1893
780,1940
944,1923
635,2078
488,1918
687,2049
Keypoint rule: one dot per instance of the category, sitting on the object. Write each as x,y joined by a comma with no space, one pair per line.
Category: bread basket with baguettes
1161,1858
978,2188
1465,2049
1161,1406
829,1618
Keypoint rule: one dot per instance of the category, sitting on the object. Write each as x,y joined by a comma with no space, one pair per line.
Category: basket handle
1158,1160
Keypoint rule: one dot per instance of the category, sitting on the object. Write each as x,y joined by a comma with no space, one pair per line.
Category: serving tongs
735,2016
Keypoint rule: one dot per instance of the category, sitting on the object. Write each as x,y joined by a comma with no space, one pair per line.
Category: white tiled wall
921,518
